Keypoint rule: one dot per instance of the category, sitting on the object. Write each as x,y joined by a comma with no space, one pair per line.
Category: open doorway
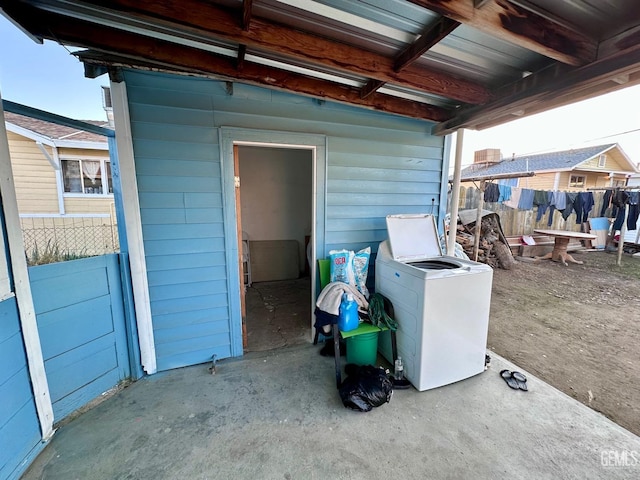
275,221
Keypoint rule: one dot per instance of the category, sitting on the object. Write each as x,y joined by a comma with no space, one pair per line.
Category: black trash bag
365,387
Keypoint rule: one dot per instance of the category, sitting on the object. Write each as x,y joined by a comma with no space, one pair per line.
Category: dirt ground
576,327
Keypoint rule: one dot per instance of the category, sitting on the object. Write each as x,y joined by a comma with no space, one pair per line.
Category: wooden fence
523,222
81,322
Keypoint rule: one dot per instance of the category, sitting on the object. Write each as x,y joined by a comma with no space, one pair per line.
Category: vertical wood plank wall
377,165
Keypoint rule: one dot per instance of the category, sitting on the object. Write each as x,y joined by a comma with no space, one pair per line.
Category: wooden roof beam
214,22
431,36
160,54
242,52
246,14
371,87
520,26
222,68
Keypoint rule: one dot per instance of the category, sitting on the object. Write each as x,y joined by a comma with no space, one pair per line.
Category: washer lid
413,237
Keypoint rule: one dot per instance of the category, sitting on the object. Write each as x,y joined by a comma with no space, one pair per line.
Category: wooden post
22,287
455,192
133,227
476,240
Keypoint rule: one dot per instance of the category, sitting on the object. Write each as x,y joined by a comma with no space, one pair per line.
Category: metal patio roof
459,63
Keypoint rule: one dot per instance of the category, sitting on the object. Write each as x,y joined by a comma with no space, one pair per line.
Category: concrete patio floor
277,415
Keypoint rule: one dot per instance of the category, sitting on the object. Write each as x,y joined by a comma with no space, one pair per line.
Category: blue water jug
348,313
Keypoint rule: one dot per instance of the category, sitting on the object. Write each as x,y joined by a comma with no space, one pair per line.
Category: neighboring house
63,186
568,170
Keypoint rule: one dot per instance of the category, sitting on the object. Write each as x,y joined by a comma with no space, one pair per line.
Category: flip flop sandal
521,380
508,377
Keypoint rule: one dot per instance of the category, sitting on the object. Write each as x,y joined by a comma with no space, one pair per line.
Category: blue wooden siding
19,426
80,316
376,164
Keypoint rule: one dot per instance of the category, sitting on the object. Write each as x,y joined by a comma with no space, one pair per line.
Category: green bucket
363,349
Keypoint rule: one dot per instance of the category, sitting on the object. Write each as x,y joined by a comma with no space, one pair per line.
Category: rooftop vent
488,155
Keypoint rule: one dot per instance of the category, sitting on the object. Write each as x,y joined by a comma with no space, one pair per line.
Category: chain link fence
68,238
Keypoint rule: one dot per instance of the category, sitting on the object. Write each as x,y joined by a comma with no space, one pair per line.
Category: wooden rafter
208,20
242,51
431,35
503,19
267,76
370,87
246,14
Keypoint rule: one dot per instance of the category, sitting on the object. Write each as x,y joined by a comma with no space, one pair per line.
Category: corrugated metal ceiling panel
387,26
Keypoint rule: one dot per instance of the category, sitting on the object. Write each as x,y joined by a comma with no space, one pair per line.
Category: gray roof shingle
562,160
53,130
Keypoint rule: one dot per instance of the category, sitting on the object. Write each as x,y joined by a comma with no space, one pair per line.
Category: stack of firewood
491,250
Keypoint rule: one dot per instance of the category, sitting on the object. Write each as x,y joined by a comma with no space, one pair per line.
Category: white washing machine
441,304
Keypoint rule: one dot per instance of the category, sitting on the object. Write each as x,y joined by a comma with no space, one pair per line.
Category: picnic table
561,240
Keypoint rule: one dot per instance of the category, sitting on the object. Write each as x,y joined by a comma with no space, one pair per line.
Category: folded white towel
331,296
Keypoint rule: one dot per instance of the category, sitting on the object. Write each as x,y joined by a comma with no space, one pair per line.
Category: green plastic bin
324,267
363,349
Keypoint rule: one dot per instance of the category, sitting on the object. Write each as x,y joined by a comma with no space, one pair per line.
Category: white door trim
317,144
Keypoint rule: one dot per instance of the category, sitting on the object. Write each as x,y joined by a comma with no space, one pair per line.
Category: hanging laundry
505,193
491,192
587,204
632,217
515,197
552,208
606,204
526,199
618,201
541,199
569,208
559,200
577,207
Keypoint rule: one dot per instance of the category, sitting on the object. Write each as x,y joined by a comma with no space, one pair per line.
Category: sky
48,77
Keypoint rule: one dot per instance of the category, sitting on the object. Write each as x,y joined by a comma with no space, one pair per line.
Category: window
577,181
602,160
90,177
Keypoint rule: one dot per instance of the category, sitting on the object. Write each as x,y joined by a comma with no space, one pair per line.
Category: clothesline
614,188
614,201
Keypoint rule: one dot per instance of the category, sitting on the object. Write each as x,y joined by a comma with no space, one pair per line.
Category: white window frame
105,184
602,160
577,183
